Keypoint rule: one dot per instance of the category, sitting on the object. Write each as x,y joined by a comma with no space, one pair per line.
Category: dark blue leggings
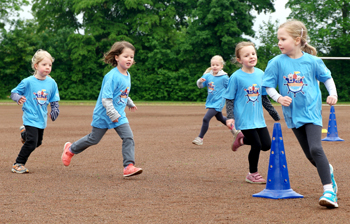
259,139
207,117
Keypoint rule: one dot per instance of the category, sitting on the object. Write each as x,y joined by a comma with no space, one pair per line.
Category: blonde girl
215,79
109,112
296,73
35,93
245,97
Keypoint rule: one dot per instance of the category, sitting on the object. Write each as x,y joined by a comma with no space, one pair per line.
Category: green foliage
9,8
174,40
268,48
16,51
328,24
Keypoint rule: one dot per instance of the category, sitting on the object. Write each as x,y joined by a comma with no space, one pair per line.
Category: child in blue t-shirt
245,97
215,79
296,72
35,93
109,111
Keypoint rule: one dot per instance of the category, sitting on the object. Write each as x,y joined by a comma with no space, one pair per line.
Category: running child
245,98
35,93
215,79
296,72
109,111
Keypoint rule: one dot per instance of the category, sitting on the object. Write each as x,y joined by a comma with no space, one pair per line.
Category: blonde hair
116,50
39,56
295,29
239,46
218,57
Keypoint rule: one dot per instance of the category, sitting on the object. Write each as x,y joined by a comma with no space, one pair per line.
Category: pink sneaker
237,143
66,155
131,170
255,178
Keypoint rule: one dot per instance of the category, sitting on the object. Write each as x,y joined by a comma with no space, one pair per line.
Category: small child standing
109,111
245,97
215,79
296,72
35,93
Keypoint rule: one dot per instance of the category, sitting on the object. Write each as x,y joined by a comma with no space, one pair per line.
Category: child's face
216,65
126,59
286,43
248,57
43,68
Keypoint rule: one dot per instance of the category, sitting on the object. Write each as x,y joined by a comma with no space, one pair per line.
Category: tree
326,20
269,44
9,8
328,24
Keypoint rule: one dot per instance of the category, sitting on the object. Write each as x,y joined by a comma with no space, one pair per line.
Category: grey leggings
124,132
309,137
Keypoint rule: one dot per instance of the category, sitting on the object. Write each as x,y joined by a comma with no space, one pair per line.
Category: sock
328,187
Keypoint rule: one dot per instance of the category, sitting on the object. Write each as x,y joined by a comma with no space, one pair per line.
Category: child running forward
215,79
35,93
245,98
296,72
109,111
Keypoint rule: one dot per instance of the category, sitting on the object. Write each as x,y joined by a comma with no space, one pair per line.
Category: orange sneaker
131,170
66,155
19,168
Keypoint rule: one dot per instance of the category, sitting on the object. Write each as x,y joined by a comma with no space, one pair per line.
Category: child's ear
36,66
297,40
116,58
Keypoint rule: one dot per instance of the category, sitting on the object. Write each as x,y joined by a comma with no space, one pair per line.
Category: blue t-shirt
115,86
246,90
216,88
39,93
297,78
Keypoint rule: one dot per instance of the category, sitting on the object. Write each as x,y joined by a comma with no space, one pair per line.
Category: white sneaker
198,141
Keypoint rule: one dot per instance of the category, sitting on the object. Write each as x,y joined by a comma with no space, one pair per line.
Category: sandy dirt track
181,182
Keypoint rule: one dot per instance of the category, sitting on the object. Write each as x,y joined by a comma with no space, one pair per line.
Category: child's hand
230,123
332,100
115,121
202,79
284,100
133,109
21,100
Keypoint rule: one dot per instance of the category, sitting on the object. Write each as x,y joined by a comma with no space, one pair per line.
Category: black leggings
259,139
207,117
309,137
34,140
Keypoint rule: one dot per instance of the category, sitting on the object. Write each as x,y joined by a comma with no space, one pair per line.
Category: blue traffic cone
332,134
277,185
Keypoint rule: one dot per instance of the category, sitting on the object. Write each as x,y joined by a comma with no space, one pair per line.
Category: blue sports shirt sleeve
270,78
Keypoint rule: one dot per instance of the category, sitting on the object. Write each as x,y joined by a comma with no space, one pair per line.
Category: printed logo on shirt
41,97
211,87
252,93
124,95
295,83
